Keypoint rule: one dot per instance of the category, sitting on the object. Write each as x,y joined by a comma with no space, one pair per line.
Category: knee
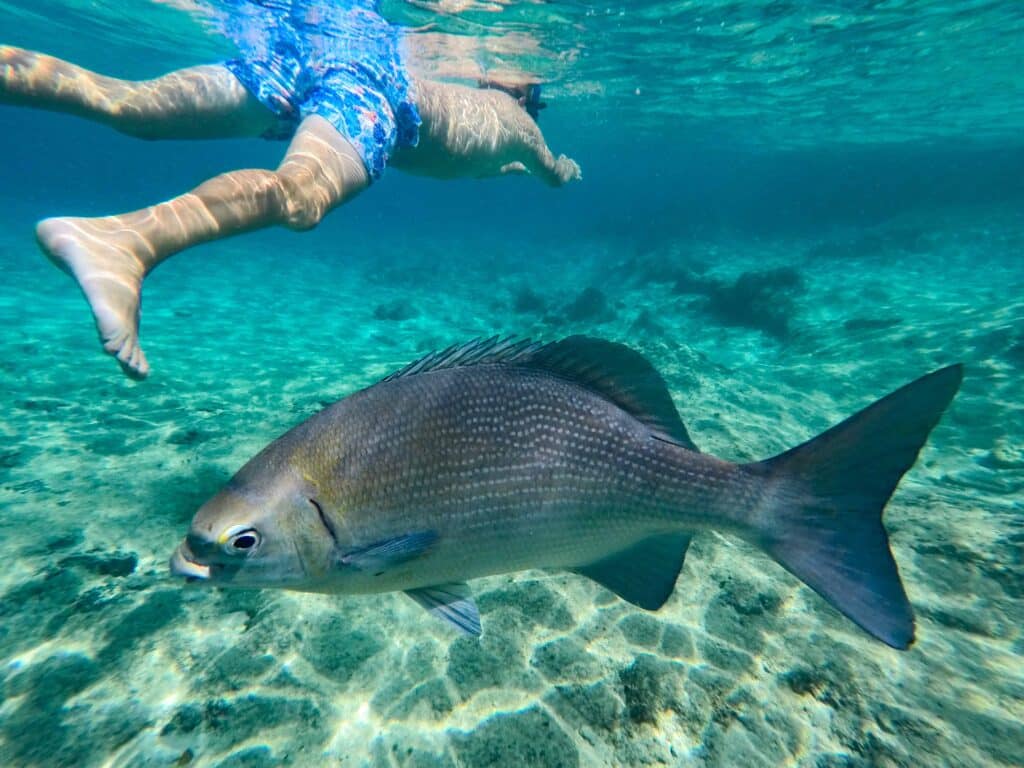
301,215
302,205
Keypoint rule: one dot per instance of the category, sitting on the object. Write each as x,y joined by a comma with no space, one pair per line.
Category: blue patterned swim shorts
338,59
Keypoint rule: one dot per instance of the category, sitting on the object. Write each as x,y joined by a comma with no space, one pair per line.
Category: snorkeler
327,76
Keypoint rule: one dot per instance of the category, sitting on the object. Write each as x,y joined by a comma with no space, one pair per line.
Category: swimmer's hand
566,170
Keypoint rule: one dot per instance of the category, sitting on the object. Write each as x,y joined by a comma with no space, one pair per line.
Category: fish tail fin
823,519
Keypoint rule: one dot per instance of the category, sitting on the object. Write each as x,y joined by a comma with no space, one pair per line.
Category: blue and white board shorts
338,59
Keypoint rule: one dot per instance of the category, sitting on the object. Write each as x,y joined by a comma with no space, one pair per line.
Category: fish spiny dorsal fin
476,352
619,374
613,371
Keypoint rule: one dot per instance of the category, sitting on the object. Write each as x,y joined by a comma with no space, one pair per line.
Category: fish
501,455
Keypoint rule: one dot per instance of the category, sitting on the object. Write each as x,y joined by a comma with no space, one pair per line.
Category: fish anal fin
452,603
645,573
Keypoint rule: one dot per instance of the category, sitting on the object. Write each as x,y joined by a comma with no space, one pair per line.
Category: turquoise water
860,163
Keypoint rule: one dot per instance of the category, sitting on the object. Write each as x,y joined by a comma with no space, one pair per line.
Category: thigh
198,102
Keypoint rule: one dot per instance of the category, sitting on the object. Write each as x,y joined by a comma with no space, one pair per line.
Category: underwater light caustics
498,456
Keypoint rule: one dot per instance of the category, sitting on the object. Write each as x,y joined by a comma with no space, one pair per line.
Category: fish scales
498,456
493,456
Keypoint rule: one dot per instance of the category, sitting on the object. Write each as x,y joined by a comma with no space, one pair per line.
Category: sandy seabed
105,660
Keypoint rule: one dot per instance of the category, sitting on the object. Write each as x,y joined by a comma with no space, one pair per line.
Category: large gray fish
498,456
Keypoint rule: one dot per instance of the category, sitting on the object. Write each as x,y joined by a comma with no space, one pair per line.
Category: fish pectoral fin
385,554
645,573
452,603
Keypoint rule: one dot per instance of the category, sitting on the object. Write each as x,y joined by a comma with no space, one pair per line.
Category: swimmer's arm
477,133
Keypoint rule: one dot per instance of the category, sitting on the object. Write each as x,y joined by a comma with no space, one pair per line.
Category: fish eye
242,540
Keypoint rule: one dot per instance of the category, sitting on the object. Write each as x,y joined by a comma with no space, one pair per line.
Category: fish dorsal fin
645,573
476,352
619,374
613,371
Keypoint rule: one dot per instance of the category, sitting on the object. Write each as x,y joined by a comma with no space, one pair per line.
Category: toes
114,344
128,352
141,366
137,373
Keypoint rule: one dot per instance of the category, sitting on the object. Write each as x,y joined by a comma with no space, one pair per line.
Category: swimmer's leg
110,256
205,102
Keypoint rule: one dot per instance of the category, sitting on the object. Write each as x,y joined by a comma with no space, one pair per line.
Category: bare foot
98,254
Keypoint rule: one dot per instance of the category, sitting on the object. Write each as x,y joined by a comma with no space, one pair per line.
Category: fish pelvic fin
451,603
823,517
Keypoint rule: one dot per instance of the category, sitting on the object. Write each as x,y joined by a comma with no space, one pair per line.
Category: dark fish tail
823,520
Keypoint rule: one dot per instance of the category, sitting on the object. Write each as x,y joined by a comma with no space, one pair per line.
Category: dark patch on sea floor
220,724
513,740
396,310
590,306
42,728
337,650
179,500
526,301
859,324
764,300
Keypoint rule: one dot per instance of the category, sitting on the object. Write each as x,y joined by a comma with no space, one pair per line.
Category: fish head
258,534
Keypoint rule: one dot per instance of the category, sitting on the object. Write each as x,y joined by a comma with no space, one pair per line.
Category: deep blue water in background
637,189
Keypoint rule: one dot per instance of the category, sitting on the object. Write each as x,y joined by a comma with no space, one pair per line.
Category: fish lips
183,565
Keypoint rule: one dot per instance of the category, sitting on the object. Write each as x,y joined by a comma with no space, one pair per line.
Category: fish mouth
183,565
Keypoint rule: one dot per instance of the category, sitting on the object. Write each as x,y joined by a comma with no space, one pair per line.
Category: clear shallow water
900,257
